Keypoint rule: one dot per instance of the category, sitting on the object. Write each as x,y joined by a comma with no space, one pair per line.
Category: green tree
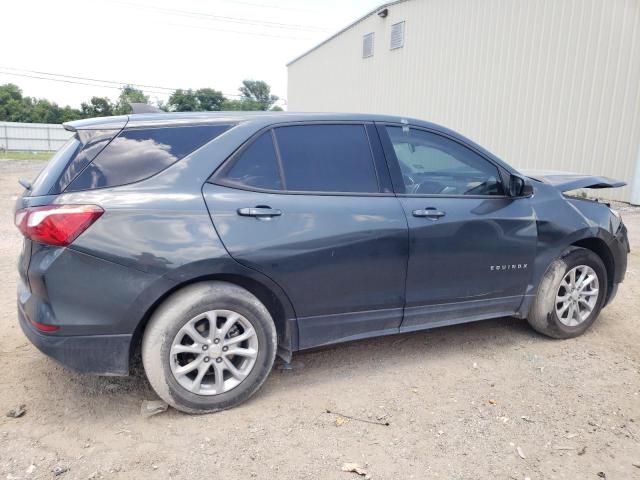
258,91
12,105
241,105
129,94
10,91
69,114
201,100
210,100
183,101
97,107
44,111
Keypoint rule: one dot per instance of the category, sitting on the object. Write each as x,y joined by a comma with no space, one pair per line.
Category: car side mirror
519,187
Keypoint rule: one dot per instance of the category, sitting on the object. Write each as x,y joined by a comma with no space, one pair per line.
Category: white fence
37,137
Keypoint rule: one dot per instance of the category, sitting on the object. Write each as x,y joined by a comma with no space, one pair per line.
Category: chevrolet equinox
213,242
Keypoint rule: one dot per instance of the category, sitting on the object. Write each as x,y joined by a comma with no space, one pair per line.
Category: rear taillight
45,328
56,225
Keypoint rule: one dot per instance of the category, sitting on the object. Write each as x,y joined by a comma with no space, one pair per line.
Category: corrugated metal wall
32,136
545,84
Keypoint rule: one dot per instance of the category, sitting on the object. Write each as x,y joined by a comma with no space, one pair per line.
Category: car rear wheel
570,295
209,347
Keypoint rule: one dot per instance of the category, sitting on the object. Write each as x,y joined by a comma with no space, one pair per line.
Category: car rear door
471,245
312,207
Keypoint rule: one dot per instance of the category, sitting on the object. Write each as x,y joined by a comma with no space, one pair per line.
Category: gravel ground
485,400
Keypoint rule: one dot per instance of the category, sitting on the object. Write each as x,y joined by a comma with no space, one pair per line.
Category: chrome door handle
260,212
429,213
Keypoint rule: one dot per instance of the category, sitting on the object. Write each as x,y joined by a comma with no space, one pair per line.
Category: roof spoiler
98,123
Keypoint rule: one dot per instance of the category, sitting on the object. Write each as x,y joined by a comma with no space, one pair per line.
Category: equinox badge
514,266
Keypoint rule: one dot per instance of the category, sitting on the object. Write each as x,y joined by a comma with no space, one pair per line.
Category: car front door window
435,165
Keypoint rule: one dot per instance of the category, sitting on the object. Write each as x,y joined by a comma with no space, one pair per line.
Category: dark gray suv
214,242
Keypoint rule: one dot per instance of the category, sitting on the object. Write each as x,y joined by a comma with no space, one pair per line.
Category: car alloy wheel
213,352
577,295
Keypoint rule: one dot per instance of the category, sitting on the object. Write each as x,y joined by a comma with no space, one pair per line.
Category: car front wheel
570,295
209,347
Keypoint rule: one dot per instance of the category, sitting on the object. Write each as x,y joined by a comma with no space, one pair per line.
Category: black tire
543,316
179,309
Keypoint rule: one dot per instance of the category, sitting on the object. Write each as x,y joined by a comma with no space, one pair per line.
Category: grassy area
25,155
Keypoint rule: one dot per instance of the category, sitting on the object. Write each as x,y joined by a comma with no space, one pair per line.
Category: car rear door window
139,153
327,158
257,165
435,165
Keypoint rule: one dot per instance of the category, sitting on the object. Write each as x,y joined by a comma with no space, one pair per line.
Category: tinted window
326,158
433,164
257,165
137,154
55,167
93,142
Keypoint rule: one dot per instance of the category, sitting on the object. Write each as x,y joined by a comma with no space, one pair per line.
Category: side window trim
396,173
276,148
218,177
391,158
385,184
373,157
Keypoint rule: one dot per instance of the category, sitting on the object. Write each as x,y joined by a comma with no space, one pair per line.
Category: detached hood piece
572,181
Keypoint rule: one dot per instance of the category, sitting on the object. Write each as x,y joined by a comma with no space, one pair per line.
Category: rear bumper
96,305
94,354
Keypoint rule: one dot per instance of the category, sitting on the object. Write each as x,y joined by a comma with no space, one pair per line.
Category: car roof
260,120
170,118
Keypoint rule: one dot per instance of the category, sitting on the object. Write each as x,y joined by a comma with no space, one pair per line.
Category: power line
278,7
215,29
89,79
76,82
244,21
63,81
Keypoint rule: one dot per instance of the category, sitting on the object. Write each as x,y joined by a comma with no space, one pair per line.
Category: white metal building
544,84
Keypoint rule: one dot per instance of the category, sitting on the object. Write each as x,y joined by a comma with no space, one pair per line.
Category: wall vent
367,45
397,35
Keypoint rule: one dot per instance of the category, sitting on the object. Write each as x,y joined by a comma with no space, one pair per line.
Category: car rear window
69,160
140,153
327,158
56,165
93,142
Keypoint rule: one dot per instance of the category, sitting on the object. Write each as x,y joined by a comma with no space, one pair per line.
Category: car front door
312,207
471,245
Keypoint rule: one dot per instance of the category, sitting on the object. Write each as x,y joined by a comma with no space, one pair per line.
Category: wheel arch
559,244
269,294
600,248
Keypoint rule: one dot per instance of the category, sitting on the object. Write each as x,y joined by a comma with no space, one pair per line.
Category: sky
162,44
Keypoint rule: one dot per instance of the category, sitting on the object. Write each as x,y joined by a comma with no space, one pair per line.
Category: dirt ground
490,400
